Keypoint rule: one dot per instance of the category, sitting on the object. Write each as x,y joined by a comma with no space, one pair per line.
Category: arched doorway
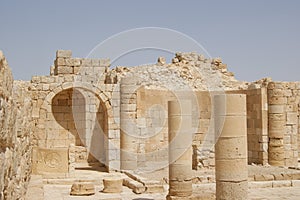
80,118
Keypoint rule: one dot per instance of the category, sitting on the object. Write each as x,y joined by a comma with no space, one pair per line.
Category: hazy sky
255,38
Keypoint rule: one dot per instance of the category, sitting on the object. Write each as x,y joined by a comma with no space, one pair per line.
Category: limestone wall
188,72
83,110
152,114
257,122
76,106
152,108
257,125
15,126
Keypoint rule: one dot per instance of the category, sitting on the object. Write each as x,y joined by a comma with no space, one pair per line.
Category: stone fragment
175,60
112,185
82,189
161,61
63,53
137,187
50,160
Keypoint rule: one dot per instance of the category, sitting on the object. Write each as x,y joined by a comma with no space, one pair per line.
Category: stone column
180,149
231,147
277,120
128,131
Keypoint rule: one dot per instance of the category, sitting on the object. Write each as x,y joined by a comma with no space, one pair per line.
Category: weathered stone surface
82,189
63,53
283,120
136,186
54,160
231,163
180,151
15,126
232,190
112,185
61,111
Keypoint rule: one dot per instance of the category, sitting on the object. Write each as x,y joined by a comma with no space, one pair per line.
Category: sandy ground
59,189
162,175
61,192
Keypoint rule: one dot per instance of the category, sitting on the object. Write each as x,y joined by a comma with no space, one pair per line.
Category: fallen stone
112,185
137,187
82,189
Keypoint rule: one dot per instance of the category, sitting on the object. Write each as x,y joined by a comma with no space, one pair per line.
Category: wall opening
82,120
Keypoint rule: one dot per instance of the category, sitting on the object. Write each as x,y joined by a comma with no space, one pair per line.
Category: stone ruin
122,119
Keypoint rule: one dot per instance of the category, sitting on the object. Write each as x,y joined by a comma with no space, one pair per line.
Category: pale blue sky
256,38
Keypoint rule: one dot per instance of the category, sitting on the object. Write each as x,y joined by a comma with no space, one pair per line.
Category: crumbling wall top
6,78
187,70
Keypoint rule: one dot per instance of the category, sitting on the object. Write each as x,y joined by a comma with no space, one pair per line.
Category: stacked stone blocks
180,149
72,104
231,147
283,99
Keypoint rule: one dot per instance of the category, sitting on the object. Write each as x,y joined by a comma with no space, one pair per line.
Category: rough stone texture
283,99
137,187
84,108
128,130
231,147
112,185
82,189
81,93
180,149
191,71
15,126
53,160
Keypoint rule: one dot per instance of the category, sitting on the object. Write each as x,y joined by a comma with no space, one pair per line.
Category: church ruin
85,113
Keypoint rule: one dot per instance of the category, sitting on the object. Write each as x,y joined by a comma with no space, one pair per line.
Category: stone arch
86,86
57,104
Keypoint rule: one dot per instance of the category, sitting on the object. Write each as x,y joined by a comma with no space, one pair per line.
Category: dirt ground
203,187
207,175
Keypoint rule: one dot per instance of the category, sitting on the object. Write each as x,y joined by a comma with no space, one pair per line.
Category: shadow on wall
98,131
83,121
62,110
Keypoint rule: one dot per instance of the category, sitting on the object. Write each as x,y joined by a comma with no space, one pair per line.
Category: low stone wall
15,126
